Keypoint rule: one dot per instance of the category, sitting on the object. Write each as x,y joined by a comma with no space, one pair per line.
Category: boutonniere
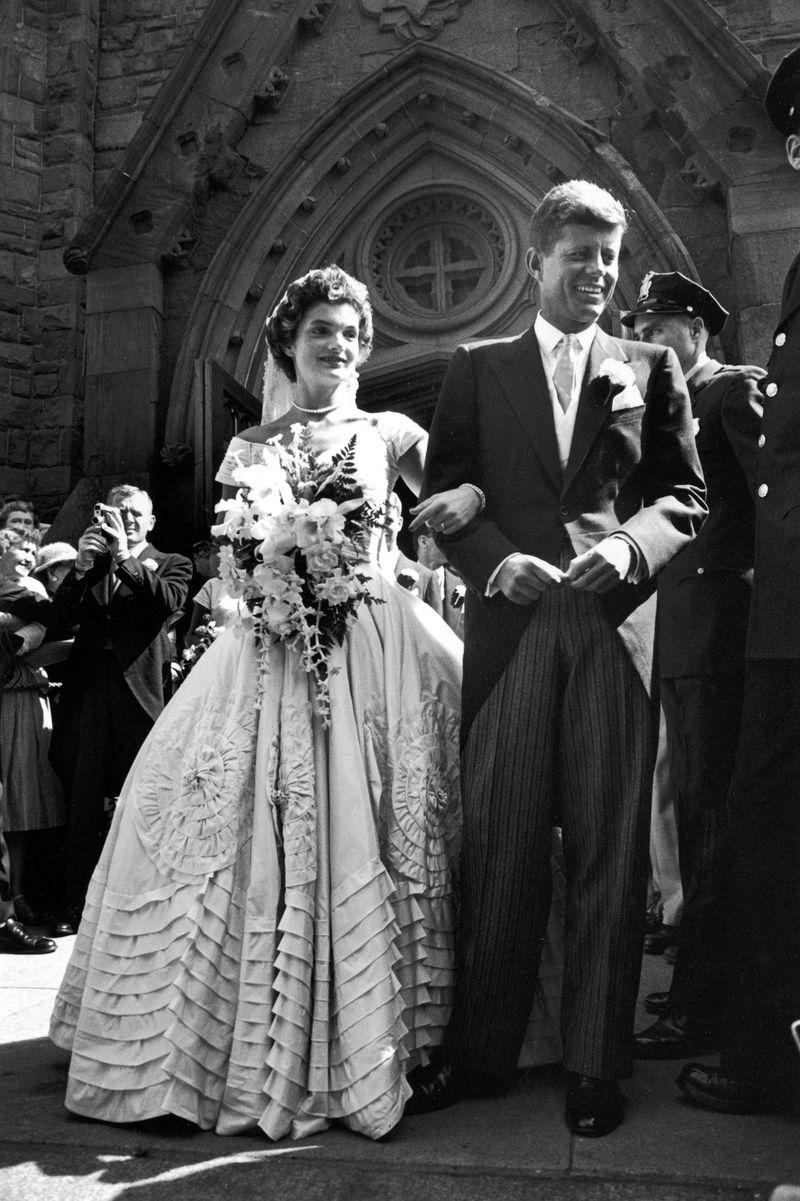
150,564
696,425
458,596
615,385
612,378
619,375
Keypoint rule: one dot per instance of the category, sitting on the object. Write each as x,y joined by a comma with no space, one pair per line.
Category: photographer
121,592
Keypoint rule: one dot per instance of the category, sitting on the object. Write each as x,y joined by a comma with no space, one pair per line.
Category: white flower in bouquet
234,513
267,487
339,587
276,534
322,558
320,519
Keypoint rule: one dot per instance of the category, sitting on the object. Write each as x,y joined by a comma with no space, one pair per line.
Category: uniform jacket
630,468
134,623
704,592
774,630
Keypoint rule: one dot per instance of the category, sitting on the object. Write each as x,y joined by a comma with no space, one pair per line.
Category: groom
584,448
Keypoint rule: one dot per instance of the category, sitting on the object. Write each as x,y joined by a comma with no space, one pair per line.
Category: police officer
759,1067
703,607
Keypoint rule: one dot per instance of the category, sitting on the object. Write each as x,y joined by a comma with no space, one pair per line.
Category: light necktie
566,369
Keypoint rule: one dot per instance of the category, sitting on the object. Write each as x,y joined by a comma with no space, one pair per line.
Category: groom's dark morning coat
634,469
556,721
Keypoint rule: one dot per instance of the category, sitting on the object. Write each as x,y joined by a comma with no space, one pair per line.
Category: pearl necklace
319,412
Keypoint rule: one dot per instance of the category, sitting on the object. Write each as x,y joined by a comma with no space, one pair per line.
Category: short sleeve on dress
205,597
238,454
399,433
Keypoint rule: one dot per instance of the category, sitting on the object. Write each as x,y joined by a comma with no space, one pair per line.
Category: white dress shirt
549,338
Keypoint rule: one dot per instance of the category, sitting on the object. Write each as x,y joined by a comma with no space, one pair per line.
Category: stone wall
76,77
140,43
23,87
769,28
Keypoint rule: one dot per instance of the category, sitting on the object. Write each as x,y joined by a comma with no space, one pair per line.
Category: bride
268,937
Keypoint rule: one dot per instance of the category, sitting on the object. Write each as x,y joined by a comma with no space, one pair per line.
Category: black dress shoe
657,1003
657,941
713,1088
67,924
16,939
432,1087
593,1107
668,1039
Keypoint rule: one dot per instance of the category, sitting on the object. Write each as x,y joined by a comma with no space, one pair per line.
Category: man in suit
409,574
15,938
759,1069
445,591
122,593
583,447
703,607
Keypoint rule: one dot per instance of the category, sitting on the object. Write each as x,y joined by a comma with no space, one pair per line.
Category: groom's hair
323,285
579,201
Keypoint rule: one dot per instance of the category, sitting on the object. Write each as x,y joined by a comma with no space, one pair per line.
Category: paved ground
517,1149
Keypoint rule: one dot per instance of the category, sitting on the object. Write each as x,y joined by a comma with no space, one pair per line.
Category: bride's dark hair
323,285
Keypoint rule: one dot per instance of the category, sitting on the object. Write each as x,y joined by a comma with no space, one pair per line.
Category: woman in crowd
18,513
32,794
213,604
268,937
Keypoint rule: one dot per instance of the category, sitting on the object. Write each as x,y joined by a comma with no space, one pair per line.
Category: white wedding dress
268,936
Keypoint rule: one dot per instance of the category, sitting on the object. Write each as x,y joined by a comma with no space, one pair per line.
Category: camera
98,517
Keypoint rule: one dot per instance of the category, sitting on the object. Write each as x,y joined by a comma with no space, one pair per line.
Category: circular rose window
436,258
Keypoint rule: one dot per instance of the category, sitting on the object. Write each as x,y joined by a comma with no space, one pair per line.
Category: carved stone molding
270,97
315,18
697,175
413,20
578,40
176,456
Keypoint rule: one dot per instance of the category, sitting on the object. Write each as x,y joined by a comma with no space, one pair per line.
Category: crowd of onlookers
83,675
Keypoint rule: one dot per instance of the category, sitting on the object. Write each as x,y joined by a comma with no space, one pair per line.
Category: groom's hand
601,568
523,578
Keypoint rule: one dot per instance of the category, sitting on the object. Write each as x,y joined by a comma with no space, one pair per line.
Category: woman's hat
53,553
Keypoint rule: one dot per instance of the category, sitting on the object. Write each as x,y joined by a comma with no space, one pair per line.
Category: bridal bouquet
291,542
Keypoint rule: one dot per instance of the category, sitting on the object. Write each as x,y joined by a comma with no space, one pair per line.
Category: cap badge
644,290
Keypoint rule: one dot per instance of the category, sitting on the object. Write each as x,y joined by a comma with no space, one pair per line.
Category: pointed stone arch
429,119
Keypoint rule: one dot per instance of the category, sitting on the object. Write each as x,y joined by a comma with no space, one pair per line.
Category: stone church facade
167,168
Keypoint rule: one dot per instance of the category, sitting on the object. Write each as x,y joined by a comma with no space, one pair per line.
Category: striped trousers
567,736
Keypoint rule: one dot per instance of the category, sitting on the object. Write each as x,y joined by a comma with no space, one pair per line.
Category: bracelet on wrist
478,492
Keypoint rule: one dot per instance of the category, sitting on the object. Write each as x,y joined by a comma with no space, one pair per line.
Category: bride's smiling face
326,349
